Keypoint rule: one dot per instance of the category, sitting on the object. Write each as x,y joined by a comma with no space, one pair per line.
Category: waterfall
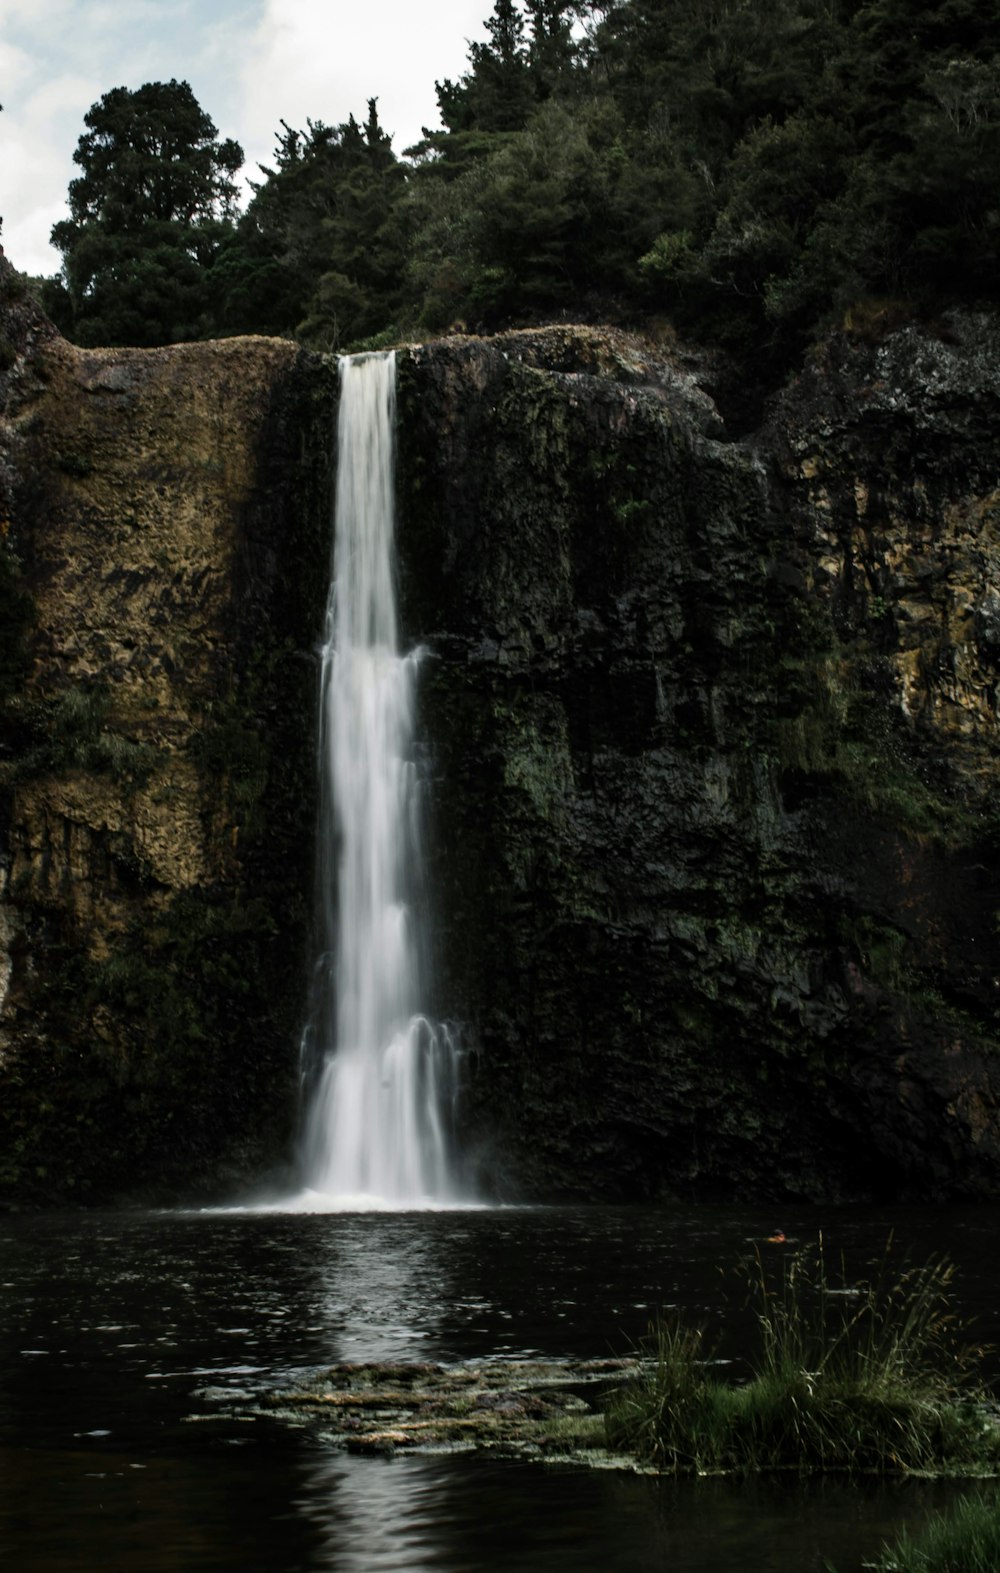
377,1127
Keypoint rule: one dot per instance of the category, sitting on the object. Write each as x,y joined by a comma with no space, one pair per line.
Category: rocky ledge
540,1409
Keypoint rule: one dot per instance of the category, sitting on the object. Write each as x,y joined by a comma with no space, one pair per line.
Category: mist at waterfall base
381,1076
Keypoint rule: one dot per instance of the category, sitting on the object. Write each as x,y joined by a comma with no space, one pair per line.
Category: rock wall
711,729
715,735
165,554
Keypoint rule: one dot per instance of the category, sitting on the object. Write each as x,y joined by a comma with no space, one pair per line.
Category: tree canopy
155,200
746,168
319,250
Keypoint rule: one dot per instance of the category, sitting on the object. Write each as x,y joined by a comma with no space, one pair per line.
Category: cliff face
715,728
165,565
711,726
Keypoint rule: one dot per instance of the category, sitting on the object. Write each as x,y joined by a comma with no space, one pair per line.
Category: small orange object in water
778,1238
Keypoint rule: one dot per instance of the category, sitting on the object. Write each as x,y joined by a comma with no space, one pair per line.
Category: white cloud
14,63
47,13
26,241
38,133
323,60
251,64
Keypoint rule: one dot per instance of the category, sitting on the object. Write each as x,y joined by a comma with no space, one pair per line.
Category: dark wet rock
711,731
527,1408
715,740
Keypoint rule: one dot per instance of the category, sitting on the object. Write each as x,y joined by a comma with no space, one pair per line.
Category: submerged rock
523,1408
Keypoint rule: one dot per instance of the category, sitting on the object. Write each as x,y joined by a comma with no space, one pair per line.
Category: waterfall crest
377,1127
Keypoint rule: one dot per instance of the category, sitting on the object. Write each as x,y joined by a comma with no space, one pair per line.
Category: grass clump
964,1540
867,1377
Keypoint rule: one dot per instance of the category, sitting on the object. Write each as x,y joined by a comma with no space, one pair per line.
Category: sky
250,63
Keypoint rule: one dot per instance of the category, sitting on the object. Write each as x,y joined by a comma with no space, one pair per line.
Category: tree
551,50
496,94
148,215
509,75
555,219
319,251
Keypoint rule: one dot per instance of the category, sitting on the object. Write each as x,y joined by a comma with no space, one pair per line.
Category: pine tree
148,215
496,93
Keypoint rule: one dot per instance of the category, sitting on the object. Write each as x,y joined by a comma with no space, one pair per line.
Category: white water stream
377,1129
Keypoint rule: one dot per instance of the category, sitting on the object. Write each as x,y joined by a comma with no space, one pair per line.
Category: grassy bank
871,1376
965,1540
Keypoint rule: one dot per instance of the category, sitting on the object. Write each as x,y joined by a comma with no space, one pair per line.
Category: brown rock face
167,554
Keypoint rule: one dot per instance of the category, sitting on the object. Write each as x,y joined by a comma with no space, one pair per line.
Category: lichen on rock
169,529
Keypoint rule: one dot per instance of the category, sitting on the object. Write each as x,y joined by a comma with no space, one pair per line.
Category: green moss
534,746
860,747
73,462
536,407
13,286
17,616
885,781
70,731
230,747
697,1023
882,950
148,1046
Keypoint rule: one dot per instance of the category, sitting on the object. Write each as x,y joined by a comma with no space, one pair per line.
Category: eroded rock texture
166,552
715,735
710,728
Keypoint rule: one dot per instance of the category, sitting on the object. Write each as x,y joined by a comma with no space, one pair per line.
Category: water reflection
383,1294
159,1511
133,1348
407,1514
368,1514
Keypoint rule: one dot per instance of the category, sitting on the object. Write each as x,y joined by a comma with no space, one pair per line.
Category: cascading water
377,1128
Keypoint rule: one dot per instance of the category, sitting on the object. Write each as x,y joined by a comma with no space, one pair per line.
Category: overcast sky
251,64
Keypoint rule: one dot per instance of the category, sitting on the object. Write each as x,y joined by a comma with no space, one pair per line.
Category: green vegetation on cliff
751,171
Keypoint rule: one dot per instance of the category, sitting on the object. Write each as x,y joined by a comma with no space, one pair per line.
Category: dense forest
749,171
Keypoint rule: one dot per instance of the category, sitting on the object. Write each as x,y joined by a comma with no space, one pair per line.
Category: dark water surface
129,1341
